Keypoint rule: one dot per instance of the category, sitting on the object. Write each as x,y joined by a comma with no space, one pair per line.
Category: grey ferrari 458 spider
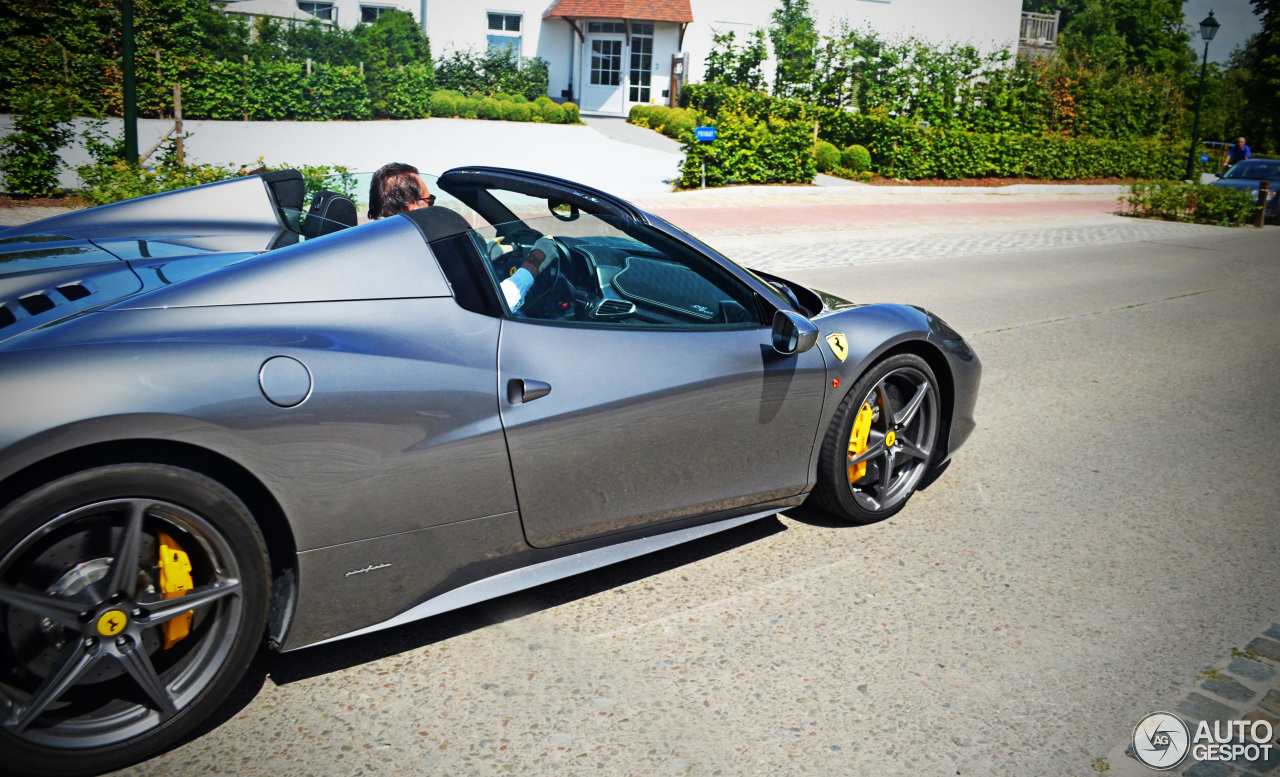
225,421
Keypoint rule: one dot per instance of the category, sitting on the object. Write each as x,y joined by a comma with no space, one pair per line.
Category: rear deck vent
6,317
73,291
36,304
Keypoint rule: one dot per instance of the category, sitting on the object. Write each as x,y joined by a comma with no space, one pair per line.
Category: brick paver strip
1202,707
1271,702
826,216
1251,670
1267,648
1228,689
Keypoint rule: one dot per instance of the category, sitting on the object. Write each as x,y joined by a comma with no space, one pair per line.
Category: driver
398,188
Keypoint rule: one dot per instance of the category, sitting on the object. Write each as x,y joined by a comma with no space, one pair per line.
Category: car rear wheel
132,599
880,442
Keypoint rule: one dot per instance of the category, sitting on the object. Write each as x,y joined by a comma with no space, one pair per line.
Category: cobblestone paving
776,254
1248,688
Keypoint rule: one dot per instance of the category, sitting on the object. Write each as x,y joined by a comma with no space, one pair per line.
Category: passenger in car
398,188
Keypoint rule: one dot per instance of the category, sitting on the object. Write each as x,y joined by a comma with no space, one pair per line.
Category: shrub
638,115
552,113
490,109
467,108
29,156
544,101
1190,202
856,159
102,183
826,156
749,150
443,106
519,98
407,92
517,112
571,114
502,97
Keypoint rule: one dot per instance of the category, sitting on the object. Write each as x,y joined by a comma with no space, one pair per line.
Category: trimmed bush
517,112
519,98
751,151
1190,202
490,109
407,92
502,97
856,158
571,114
443,106
826,156
544,101
467,108
552,113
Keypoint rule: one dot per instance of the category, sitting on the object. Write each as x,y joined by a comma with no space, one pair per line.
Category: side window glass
576,268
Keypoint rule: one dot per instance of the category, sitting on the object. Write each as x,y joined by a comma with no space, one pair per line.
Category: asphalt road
1108,532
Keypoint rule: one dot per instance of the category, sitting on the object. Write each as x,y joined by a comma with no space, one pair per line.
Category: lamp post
1208,28
130,89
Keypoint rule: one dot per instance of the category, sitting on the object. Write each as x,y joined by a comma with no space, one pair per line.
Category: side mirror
793,333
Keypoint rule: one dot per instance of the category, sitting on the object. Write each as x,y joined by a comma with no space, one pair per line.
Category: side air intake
36,304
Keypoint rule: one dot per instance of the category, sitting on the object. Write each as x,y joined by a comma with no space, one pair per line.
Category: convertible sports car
224,420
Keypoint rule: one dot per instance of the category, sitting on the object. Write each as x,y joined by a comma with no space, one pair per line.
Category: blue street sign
704,134
1204,157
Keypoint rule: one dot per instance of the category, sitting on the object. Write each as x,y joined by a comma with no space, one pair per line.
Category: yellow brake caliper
175,580
858,441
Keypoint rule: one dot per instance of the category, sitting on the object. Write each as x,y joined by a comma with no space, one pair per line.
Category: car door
681,407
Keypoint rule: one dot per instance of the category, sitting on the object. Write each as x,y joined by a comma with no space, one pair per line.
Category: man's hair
393,189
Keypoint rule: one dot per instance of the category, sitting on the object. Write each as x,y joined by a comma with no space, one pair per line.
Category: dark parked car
1247,175
224,421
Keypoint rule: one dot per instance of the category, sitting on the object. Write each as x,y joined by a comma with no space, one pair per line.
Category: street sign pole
704,135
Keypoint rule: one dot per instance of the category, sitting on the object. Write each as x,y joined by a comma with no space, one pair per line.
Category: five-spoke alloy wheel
132,598
881,441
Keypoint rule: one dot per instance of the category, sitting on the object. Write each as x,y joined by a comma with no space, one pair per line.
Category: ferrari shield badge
839,345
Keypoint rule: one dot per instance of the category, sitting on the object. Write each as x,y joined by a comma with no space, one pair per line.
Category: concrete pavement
1107,534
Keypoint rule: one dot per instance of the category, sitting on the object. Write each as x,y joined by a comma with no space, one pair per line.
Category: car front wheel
132,599
880,442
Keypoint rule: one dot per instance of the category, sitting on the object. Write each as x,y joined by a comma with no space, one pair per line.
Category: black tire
110,717
834,492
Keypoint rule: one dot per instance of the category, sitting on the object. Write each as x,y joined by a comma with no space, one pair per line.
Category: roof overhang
674,11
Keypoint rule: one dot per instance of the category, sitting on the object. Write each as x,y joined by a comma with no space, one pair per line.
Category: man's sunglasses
430,199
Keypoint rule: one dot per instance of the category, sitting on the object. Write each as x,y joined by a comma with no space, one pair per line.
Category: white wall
989,24
349,10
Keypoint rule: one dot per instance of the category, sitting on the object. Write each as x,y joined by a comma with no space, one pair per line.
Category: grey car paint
392,474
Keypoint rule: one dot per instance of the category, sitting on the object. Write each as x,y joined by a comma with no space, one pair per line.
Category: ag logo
1161,740
839,345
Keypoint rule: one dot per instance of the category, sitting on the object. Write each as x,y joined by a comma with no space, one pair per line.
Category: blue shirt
1238,153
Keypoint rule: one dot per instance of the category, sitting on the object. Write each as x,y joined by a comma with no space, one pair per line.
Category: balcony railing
1038,34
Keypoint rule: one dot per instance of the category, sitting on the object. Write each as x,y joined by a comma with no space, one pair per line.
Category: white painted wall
989,24
463,24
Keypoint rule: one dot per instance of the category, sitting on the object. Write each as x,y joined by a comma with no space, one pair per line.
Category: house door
602,59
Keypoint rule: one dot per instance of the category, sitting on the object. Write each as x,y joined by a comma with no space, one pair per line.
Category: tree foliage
794,35
731,66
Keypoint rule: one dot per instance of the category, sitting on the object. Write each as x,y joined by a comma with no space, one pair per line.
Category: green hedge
900,149
1200,203
750,151
672,122
115,181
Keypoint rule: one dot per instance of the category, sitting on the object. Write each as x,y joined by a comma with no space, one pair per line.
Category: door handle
521,390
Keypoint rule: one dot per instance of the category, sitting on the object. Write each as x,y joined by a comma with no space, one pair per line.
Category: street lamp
1208,29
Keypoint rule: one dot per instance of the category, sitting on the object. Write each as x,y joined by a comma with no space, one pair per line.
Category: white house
608,55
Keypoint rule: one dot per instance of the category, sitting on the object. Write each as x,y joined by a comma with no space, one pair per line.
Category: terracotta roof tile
677,11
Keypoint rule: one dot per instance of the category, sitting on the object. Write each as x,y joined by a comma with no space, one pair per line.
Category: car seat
335,212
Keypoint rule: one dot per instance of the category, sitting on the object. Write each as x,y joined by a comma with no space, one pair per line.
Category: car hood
1238,183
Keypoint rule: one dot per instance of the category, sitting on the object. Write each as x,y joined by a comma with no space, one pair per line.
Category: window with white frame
641,62
618,27
324,11
370,13
504,32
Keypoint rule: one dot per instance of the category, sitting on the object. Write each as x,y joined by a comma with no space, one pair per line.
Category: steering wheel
549,278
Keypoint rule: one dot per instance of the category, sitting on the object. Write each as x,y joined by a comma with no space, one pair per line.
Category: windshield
1256,170
610,271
